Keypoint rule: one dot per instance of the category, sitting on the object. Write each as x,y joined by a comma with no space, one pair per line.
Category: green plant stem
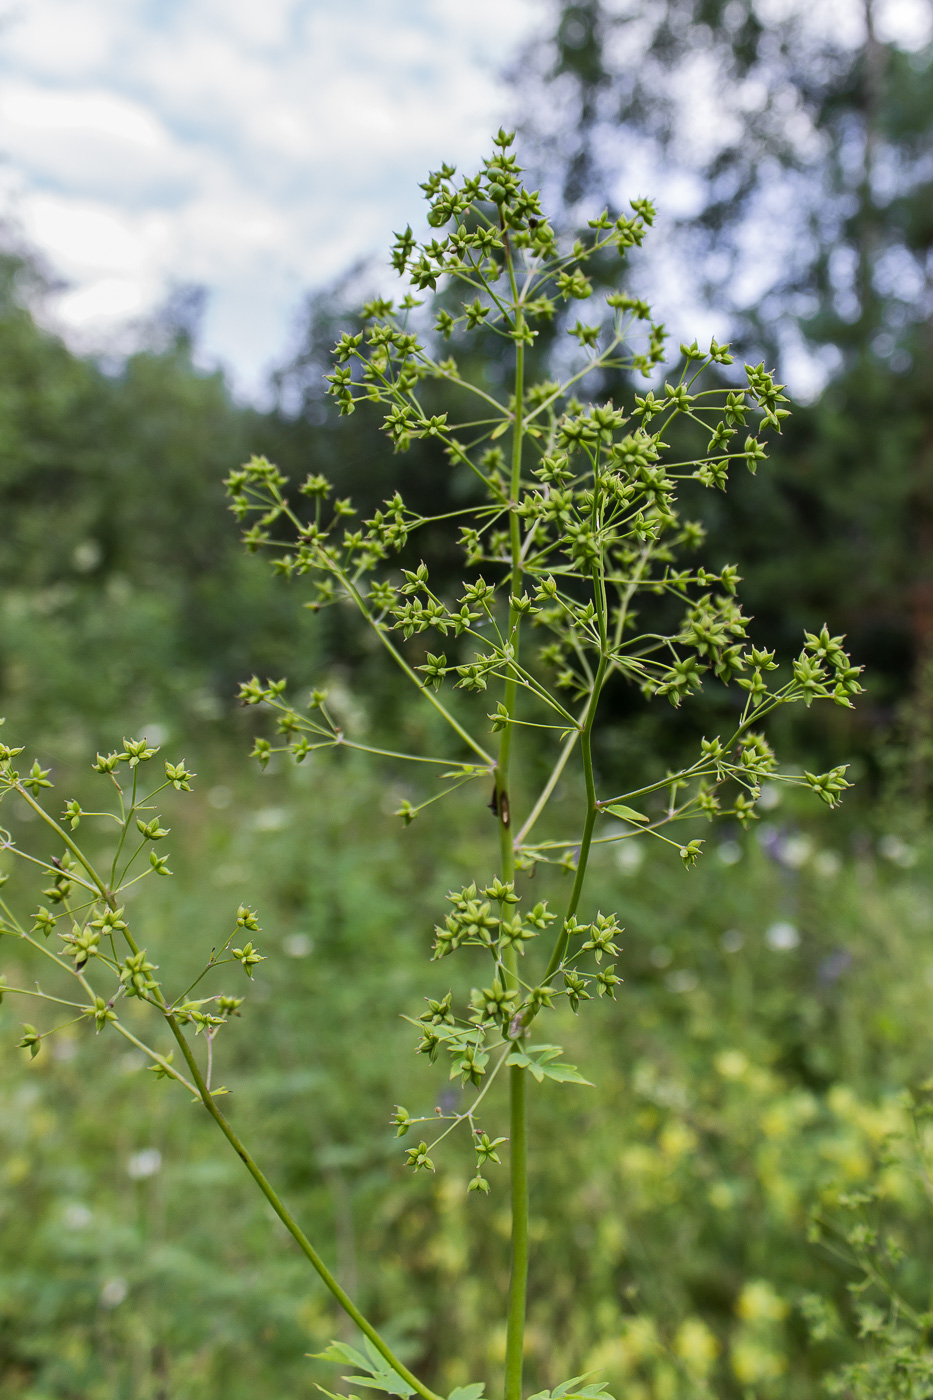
518,1127
207,1099
158,1059
548,788
404,666
288,1220
471,1111
518,1286
586,753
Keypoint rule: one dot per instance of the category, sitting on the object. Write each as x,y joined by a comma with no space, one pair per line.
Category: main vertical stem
518,1130
518,1287
518,1284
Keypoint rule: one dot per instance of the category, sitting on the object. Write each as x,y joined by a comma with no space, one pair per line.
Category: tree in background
116,541
798,140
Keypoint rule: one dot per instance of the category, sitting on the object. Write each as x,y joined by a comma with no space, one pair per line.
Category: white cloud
107,300
94,113
257,149
57,37
93,142
84,237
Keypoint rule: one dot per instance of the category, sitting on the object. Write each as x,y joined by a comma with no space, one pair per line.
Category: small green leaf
377,1363
560,1391
570,1390
343,1354
380,1375
627,814
386,1381
535,1060
565,1074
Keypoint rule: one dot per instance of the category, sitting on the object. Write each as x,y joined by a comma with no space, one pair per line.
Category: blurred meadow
762,1079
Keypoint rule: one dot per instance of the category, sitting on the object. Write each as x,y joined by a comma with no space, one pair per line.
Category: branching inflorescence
573,576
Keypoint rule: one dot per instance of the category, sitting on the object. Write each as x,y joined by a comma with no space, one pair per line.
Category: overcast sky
259,147
255,147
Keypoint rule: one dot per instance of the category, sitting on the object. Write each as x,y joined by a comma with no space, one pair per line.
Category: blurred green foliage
116,544
774,1007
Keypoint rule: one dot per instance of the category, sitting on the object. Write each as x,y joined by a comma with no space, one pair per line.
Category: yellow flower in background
759,1302
696,1345
640,1338
676,1139
637,1341
752,1362
876,1121
788,1115
731,1064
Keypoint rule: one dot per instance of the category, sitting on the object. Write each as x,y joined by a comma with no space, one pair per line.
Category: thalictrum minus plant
577,570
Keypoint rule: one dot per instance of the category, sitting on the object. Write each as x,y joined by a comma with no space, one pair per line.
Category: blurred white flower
782,936
770,797
114,1292
795,851
629,855
683,980
826,864
144,1163
897,851
297,945
156,733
